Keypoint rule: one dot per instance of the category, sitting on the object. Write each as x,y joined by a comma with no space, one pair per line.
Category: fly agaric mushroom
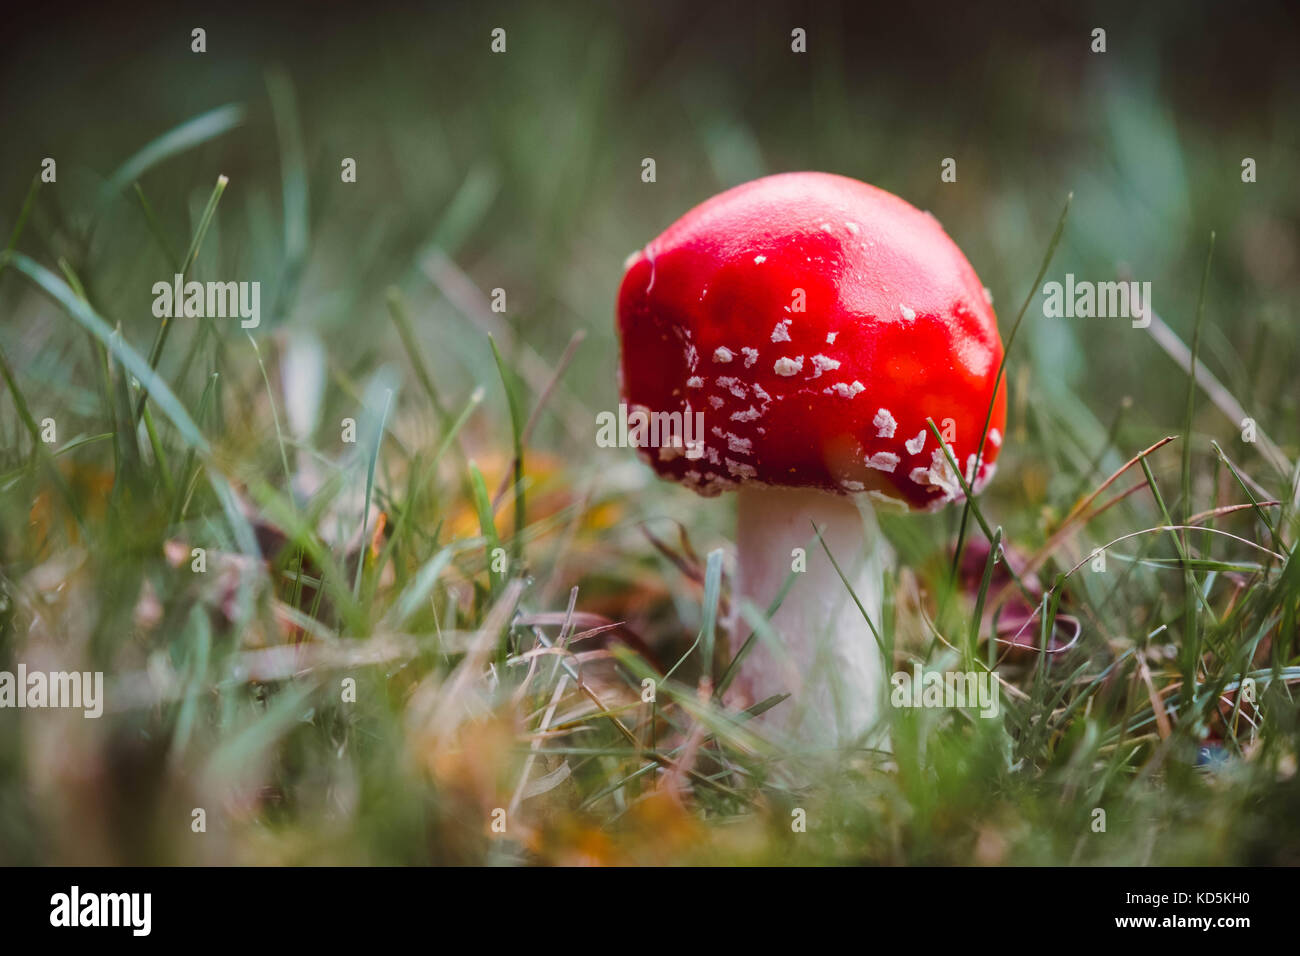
817,322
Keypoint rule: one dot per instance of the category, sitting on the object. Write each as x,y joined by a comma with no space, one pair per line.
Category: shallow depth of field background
522,171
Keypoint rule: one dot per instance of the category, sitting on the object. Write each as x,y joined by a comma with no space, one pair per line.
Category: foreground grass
427,644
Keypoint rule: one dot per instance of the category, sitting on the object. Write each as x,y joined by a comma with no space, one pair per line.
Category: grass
398,638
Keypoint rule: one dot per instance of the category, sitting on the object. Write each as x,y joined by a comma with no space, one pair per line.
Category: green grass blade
370,489
192,133
973,637
712,595
510,382
165,324
84,315
734,667
402,319
491,541
853,594
293,179
21,223
156,229
1002,367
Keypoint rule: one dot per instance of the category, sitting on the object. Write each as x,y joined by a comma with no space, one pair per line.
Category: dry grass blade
1221,398
1040,557
560,368
536,745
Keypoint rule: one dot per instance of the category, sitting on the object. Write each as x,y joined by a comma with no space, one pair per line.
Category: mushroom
817,322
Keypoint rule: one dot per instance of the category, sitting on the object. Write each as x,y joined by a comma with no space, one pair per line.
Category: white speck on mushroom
942,475
782,331
715,401
988,295
732,384
995,438
723,354
830,337
761,394
740,469
692,357
908,314
847,391
711,453
920,475
787,366
852,485
915,445
759,260
883,460
746,416
851,227
695,382
823,364
751,356
885,423
741,446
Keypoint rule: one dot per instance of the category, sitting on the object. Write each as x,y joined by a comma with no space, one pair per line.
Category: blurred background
524,168
522,171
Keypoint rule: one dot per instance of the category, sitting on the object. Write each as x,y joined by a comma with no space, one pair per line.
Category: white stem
830,662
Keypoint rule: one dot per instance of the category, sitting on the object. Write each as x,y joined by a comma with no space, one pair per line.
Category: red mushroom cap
816,322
